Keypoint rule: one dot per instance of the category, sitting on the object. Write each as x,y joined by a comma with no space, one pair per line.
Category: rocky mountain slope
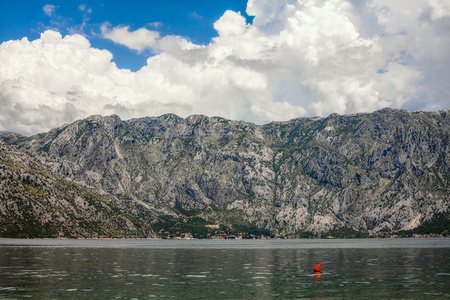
34,202
377,172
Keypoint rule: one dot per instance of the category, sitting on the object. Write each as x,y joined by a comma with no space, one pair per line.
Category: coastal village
218,234
192,227
213,232
221,235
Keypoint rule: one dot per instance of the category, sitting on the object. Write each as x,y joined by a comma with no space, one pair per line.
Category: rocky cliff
377,172
34,202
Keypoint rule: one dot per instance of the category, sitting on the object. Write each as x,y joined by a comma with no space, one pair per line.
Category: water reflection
106,273
318,277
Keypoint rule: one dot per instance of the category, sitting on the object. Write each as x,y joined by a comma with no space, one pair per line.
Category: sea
394,268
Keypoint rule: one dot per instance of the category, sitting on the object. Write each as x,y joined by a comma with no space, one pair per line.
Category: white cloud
439,9
231,23
49,9
298,58
143,38
138,39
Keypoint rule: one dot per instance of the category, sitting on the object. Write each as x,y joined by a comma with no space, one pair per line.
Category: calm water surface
231,269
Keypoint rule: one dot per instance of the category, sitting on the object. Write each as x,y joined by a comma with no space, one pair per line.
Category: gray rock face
34,202
379,172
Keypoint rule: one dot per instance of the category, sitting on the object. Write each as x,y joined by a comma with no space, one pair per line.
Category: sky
256,60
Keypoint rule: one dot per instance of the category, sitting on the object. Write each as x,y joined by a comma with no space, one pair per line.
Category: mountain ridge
375,172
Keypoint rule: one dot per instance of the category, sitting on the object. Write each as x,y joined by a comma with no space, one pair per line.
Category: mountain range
371,172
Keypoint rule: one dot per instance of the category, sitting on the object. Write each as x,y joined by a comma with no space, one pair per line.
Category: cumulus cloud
143,38
139,39
297,58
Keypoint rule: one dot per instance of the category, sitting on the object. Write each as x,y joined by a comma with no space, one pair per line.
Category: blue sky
253,60
191,19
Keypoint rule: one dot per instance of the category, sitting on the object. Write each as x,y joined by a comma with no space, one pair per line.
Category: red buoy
317,268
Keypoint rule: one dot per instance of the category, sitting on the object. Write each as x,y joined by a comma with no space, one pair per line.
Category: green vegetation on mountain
345,232
440,224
